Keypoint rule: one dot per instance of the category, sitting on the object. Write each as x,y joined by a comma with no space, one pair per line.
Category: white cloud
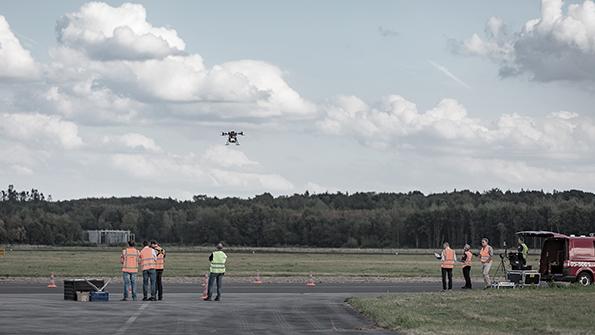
162,167
36,129
108,33
397,122
133,141
315,188
264,182
21,170
224,156
89,102
210,169
556,46
519,174
119,58
15,61
397,117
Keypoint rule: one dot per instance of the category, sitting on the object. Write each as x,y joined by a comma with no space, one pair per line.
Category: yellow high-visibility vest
218,262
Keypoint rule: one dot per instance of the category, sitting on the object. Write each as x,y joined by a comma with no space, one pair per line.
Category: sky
102,99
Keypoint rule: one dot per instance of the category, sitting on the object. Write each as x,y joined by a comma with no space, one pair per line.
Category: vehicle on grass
566,258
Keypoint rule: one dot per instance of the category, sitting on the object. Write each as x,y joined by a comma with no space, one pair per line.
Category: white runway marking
132,318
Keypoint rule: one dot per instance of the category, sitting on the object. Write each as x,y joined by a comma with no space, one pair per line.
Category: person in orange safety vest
467,261
148,263
129,260
485,257
448,259
159,266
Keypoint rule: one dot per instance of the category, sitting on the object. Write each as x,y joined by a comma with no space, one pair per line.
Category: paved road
245,309
35,288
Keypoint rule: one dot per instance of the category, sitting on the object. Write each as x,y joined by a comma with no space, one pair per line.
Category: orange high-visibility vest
484,254
160,261
468,259
147,260
449,259
129,260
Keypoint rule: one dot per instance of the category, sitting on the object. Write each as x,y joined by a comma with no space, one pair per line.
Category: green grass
184,263
520,311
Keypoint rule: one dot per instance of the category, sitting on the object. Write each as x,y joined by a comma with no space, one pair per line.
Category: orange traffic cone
257,280
311,282
205,280
205,284
205,293
52,283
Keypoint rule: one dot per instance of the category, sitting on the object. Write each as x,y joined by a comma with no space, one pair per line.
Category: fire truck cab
566,258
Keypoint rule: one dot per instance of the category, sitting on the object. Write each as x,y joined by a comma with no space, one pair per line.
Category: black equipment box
73,285
524,277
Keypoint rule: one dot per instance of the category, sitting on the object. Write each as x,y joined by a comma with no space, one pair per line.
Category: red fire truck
566,258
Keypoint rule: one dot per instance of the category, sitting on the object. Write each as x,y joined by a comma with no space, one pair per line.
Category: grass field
526,311
180,263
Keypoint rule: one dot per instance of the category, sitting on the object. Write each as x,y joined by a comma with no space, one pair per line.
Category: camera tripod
501,269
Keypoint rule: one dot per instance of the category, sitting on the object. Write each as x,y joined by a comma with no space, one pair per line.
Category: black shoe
152,299
207,299
217,298
123,299
145,299
160,298
464,288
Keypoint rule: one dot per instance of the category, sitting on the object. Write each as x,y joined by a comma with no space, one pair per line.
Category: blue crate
99,296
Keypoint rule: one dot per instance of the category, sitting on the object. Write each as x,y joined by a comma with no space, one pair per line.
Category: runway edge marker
257,280
205,285
311,282
52,283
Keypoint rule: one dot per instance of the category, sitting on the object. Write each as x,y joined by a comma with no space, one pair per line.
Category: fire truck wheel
585,278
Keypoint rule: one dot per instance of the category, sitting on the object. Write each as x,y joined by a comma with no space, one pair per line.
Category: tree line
358,220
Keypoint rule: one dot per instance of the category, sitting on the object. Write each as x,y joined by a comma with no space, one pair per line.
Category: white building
108,237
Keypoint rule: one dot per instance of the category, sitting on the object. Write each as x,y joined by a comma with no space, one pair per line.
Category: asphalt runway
244,309
116,288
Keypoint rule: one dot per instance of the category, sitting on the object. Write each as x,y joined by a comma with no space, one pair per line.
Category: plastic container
99,296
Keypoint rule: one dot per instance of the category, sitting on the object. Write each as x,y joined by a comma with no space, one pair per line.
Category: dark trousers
522,261
159,284
445,273
215,277
467,275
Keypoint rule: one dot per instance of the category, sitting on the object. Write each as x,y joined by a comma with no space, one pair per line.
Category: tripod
500,270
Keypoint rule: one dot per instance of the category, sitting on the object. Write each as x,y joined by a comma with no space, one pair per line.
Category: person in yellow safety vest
467,261
217,270
148,259
523,251
159,266
448,259
129,260
485,257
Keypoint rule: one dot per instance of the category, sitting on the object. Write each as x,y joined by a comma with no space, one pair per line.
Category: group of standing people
151,259
448,259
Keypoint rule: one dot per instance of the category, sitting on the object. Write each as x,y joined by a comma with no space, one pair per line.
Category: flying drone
232,136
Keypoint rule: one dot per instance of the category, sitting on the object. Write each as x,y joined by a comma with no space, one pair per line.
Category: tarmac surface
244,309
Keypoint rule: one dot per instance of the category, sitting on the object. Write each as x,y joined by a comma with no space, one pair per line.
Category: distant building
108,237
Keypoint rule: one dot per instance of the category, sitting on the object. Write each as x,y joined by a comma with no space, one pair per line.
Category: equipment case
524,277
99,296
71,286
